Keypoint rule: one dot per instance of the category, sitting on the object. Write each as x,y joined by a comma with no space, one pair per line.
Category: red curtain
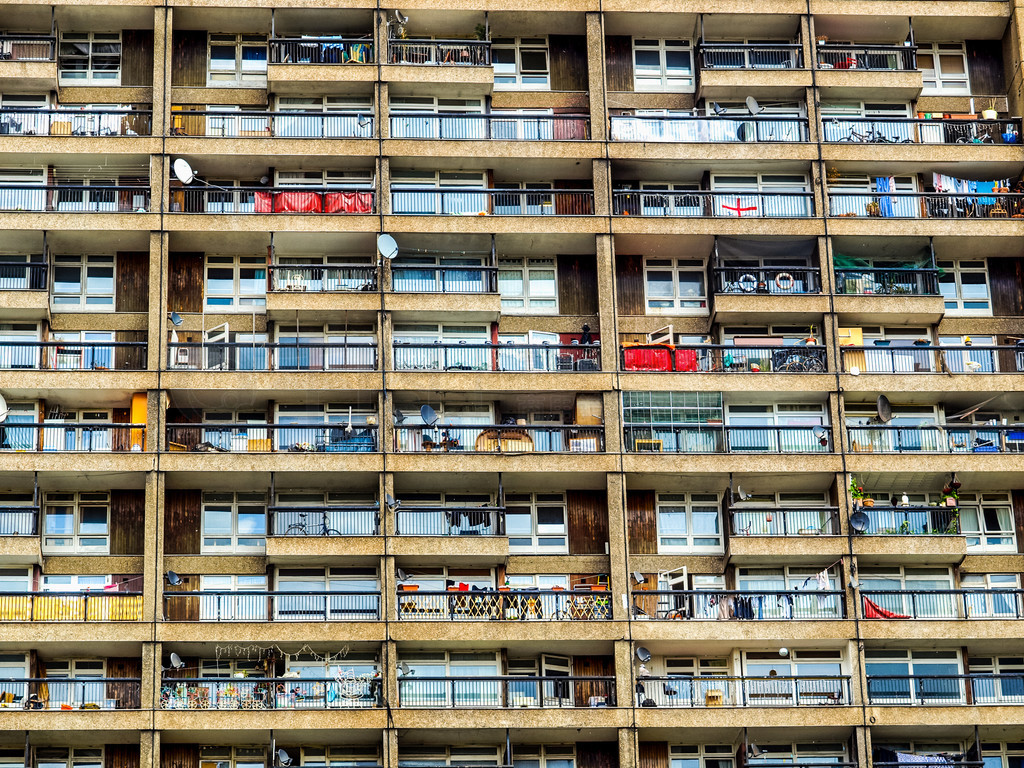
348,202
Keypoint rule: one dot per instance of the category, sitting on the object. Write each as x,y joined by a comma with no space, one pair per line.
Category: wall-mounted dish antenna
753,107
428,414
183,172
400,18
386,246
741,494
859,521
176,662
642,654
4,410
821,435
883,409
718,109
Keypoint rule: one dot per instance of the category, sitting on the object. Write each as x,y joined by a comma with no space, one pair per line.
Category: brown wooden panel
652,754
182,513
130,358
1018,518
642,518
629,276
568,62
592,666
131,282
136,60
185,124
185,282
183,609
574,204
597,754
179,755
127,521
588,522
189,58
128,696
121,438
1004,277
618,51
577,285
985,67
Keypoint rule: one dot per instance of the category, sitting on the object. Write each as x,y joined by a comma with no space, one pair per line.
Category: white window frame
696,304
544,756
229,608
686,502
253,75
525,302
541,541
982,502
665,81
14,579
84,300
340,757
90,75
956,304
237,301
234,541
77,541
224,669
715,755
73,583
929,57
232,757
516,78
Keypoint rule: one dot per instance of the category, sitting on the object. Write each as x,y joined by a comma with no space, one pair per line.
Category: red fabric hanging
874,611
348,202
297,202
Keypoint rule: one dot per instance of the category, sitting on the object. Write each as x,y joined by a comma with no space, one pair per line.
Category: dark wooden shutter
618,51
130,358
189,58
642,518
183,609
182,517
127,521
592,666
185,282
597,754
128,696
574,204
179,755
132,282
629,276
1018,518
652,754
568,55
588,522
985,67
136,61
121,438
577,285
1004,277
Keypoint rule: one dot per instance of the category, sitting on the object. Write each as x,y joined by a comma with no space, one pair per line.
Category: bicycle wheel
296,529
793,365
814,365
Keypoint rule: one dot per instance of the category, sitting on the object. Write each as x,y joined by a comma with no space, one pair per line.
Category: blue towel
986,187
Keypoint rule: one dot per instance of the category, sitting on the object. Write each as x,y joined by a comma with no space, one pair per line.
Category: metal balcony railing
74,198
780,691
321,50
507,358
936,130
322,278
427,278
499,438
506,691
705,204
336,437
911,521
717,438
751,56
73,355
273,200
755,605
265,125
946,690
774,281
465,53
725,358
23,276
887,281
475,201
75,122
70,606
496,127
504,605
59,436
920,359
36,693
926,205
271,606
264,356
883,58
783,521
450,521
19,521
323,521
352,692
936,438
690,128
942,603
28,48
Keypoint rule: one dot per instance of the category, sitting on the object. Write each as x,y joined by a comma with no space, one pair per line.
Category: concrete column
380,36
383,122
152,560
389,589
618,548
383,185
387,486
627,746
390,748
156,348
624,674
159,170
151,663
149,748
387,351
862,739
390,674
605,249
612,424
602,188
595,77
835,418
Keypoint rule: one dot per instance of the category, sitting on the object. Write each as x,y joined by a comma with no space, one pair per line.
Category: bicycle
299,528
802,364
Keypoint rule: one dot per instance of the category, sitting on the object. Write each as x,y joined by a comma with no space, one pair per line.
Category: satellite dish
400,18
402,575
399,416
390,501
859,521
638,577
283,757
183,171
404,668
718,109
173,579
176,319
753,750
884,409
643,654
429,415
176,662
821,435
4,410
743,496
386,246
753,107
362,121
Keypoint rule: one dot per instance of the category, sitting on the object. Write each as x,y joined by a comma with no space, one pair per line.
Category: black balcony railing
427,278
946,690
935,438
28,48
926,205
506,692
725,129
704,204
725,358
466,53
73,355
897,281
322,278
272,200
514,358
450,521
323,521
942,603
499,438
717,438
338,437
74,198
70,606
751,56
497,127
88,437
474,201
507,605
351,692
34,693
263,356
802,691
881,58
75,122
271,606
935,130
321,50
774,281
920,359
22,275
265,125
19,521
912,521
755,605
783,521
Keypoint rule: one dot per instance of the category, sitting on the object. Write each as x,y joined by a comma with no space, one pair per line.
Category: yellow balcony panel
867,461
964,229
280,381
491,633
314,306
483,148
865,386
472,381
972,19
85,145
20,550
1007,156
228,721
741,717
124,381
750,633
727,382
869,309
686,225
317,78
936,715
883,85
790,151
77,461
948,632
84,220
488,224
30,75
736,462
494,462
21,305
521,717
36,634
468,80
433,548
898,548
76,720
268,145
469,306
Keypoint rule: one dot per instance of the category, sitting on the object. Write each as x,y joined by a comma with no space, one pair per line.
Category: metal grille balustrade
60,436
19,521
752,605
942,603
944,359
34,693
285,693
322,278
946,690
301,200
263,356
767,281
714,438
465,53
265,438
751,56
911,521
28,47
473,201
321,50
883,58
265,125
74,198
506,691
450,521
499,438
497,127
935,438
70,606
507,358
905,130
926,205
73,355
780,691
22,275
426,278
504,605
323,521
887,282
725,129
271,606
75,122
705,204
725,358
783,521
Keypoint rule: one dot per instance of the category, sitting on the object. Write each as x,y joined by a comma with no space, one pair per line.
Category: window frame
240,78
957,304
677,267
77,501
236,505
687,502
518,79
84,299
664,81
534,502
237,300
935,83
526,266
92,40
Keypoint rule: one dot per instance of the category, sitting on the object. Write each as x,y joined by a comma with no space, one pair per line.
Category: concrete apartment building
590,469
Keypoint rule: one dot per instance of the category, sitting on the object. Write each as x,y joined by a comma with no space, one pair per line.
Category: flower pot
504,589
868,502
989,114
408,587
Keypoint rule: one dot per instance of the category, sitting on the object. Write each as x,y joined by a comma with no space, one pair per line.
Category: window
996,596
944,68
90,58
443,194
1003,755
447,357
21,195
221,669
340,757
15,758
232,757
83,283
791,579
847,124
237,60
349,117
662,65
544,756
427,124
416,692
986,521
12,354
689,522
234,522
820,670
674,286
701,756
349,594
761,194
817,754
536,522
520,63
95,436
439,274
74,583
889,676
672,420
528,285
77,523
740,53
236,282
51,757
797,512
964,286
230,601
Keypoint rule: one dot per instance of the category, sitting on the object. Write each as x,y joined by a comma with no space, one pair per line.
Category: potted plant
873,208
950,497
856,492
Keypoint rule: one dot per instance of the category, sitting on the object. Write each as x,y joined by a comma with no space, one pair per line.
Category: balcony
504,605
902,281
271,693
780,281
19,521
70,606
66,437
911,521
780,691
72,198
935,438
273,200
323,521
426,278
506,692
771,56
450,201
781,605
785,521
716,130
322,278
926,205
321,50
450,521
717,438
464,53
73,356
271,606
278,125
75,122
724,358
28,48
504,358
64,694
499,438
263,356
946,690
29,59
952,359
704,204
962,604
870,57
270,438
936,130
462,126
23,276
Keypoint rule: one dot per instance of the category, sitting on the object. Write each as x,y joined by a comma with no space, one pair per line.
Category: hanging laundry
885,184
986,187
874,611
909,759
786,603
